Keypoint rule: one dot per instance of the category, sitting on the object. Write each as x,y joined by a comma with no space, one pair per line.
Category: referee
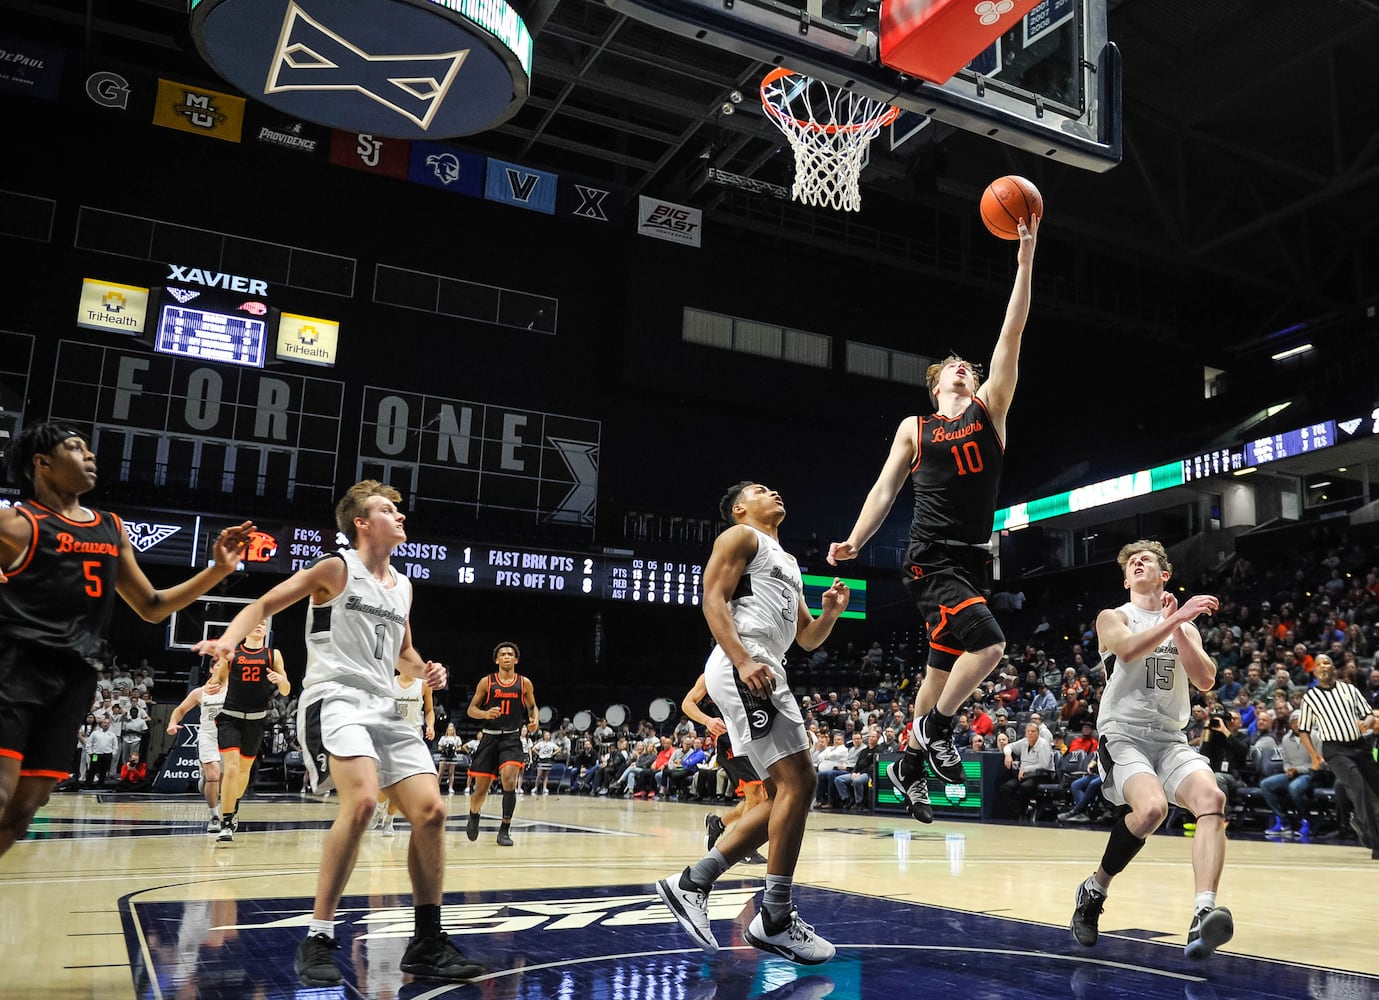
1336,713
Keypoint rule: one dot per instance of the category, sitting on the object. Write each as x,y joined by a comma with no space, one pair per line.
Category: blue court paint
619,943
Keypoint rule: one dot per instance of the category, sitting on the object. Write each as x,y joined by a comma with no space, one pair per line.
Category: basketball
1006,201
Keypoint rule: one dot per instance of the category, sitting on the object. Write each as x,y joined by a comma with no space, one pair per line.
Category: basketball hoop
829,128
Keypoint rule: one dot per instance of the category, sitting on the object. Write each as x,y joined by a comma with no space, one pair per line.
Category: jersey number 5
91,570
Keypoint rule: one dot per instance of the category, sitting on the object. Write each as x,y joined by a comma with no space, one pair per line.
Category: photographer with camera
1227,748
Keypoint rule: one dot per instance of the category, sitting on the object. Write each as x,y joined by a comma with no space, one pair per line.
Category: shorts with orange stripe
948,584
44,696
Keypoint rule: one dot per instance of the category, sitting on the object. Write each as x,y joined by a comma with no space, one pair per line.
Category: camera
1217,712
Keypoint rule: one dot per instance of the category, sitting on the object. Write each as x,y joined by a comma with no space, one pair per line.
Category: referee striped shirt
1333,714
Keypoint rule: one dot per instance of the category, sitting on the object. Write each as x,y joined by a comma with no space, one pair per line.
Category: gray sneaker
1211,928
690,906
913,791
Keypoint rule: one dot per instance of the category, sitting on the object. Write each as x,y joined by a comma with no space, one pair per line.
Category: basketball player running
250,676
211,697
502,701
1151,650
414,704
700,708
753,601
61,565
954,460
357,635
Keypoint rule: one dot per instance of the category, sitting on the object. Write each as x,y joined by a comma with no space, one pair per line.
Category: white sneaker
691,908
797,941
388,830
380,816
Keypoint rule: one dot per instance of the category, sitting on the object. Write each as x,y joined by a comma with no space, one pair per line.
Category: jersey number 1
967,457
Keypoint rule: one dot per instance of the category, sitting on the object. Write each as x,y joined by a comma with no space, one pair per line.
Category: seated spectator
1086,791
1031,760
1296,779
851,786
1229,687
1086,741
133,775
584,763
831,759
979,744
1043,702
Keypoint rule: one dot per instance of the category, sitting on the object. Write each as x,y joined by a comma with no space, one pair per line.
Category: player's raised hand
1199,604
229,545
436,676
216,649
841,552
836,597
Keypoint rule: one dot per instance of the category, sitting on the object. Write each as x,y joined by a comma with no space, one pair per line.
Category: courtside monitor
1048,81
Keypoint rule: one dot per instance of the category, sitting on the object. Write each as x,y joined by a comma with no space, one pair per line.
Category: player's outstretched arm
999,388
322,580
155,605
882,494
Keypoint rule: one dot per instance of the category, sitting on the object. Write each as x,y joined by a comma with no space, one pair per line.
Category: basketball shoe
794,939
690,906
713,829
939,750
912,789
1087,914
1212,927
315,961
471,826
504,837
437,958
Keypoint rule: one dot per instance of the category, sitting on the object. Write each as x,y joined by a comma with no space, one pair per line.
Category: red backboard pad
933,39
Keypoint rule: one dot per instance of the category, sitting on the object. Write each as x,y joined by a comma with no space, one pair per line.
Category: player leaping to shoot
953,459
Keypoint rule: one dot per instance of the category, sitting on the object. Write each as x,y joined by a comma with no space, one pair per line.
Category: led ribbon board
408,69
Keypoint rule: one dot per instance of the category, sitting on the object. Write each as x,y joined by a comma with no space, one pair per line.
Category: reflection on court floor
618,943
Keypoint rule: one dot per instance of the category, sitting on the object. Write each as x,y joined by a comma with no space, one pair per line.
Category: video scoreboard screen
1313,437
206,326
654,581
814,587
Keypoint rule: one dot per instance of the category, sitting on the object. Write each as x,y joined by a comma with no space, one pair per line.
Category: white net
829,128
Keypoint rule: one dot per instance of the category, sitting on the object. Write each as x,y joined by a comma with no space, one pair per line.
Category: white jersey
211,704
409,699
767,599
356,637
1151,691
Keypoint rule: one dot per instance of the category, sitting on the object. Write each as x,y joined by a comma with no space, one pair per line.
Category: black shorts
244,735
948,584
44,696
740,769
495,751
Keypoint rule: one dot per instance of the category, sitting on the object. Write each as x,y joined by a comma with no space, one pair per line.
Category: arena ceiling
1244,203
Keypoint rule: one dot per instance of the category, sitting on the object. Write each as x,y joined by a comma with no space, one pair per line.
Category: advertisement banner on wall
665,220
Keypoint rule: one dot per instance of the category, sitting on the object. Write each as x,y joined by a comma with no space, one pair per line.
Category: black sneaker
315,961
1086,915
939,750
504,838
1211,928
471,826
755,858
436,958
713,829
914,792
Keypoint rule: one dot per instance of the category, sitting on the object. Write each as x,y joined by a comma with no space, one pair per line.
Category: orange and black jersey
62,593
508,697
956,475
249,688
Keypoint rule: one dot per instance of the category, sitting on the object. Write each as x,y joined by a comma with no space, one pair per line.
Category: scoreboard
617,575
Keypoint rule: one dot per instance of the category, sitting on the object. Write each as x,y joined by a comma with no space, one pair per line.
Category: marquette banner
307,339
665,220
514,184
447,168
112,307
198,110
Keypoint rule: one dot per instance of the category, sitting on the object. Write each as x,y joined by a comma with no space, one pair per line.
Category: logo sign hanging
405,69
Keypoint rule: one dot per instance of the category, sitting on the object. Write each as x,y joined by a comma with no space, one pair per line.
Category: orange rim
883,119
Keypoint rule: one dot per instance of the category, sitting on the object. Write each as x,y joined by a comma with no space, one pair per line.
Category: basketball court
120,898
